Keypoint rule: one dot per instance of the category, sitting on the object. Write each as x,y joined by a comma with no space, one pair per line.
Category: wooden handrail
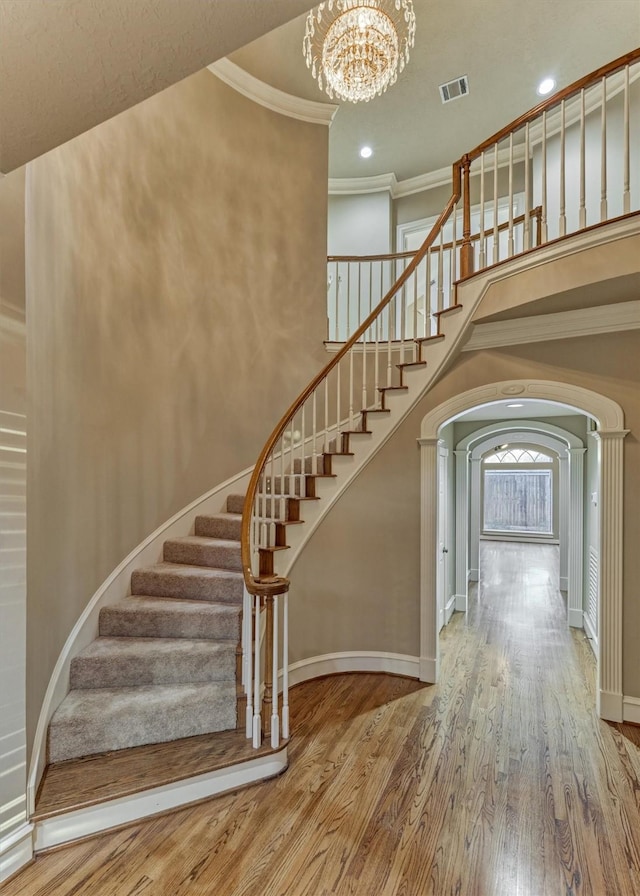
533,213
555,100
276,584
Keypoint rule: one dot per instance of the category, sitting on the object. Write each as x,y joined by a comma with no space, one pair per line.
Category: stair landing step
99,720
79,783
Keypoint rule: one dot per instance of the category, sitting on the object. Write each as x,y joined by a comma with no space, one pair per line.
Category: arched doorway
610,432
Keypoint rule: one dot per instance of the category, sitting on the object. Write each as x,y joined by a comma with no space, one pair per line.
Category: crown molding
560,325
270,97
378,183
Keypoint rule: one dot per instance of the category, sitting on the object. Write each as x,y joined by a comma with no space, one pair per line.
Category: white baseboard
71,826
428,669
450,607
564,583
474,575
16,851
610,706
461,602
631,710
590,632
353,661
575,618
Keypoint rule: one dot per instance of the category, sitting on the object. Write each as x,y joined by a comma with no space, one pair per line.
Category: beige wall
12,293
357,582
176,289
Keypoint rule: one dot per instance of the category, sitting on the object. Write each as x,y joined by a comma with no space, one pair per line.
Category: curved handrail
554,100
461,175
277,584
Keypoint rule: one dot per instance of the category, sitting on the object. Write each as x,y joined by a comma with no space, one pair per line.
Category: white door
442,587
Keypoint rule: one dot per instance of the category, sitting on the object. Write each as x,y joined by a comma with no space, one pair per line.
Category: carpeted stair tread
166,617
220,525
235,503
198,550
130,662
100,720
192,582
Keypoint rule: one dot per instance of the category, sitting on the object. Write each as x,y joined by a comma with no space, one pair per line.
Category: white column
474,521
611,456
563,519
575,598
429,651
462,530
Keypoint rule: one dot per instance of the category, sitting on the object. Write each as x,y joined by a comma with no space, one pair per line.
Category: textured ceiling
66,65
505,47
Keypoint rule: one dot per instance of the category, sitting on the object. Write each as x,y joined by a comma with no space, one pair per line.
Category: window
518,492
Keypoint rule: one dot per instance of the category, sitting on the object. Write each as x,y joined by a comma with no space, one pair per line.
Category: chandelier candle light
355,48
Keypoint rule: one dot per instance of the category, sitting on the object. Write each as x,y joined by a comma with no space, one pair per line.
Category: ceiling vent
455,89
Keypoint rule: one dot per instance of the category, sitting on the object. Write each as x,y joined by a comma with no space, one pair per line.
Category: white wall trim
65,828
16,851
610,420
561,325
450,606
601,408
431,180
270,97
590,633
114,588
353,661
631,710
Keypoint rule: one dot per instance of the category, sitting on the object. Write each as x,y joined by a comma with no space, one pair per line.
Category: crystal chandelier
355,48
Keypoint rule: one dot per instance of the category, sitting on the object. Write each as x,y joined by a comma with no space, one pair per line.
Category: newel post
466,250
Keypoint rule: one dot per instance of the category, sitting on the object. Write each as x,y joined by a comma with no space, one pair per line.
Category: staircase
164,664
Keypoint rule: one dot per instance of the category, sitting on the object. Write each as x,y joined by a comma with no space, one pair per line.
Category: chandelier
355,48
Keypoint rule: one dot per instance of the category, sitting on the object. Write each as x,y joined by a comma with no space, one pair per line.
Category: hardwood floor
499,781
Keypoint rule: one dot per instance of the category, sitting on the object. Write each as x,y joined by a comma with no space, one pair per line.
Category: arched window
517,491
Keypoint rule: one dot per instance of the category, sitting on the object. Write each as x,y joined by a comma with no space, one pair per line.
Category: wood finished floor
499,781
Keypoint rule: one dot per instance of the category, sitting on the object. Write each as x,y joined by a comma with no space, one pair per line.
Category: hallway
499,781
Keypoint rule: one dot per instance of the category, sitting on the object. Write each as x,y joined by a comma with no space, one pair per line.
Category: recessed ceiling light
545,87
366,152
515,405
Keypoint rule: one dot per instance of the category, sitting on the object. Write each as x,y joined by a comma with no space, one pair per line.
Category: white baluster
582,214
281,501
275,718
257,721
351,388
314,429
364,371
285,666
415,313
370,306
562,223
453,267
496,233
348,333
303,440
376,359
526,241
247,655
626,196
325,440
428,317
603,154
359,317
403,311
543,197
482,253
338,421
441,272
510,241
336,334
389,370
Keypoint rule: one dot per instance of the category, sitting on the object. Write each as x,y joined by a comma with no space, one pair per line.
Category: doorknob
445,550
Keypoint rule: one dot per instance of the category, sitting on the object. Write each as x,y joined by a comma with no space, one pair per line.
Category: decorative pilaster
563,519
474,518
429,653
462,530
576,537
611,457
